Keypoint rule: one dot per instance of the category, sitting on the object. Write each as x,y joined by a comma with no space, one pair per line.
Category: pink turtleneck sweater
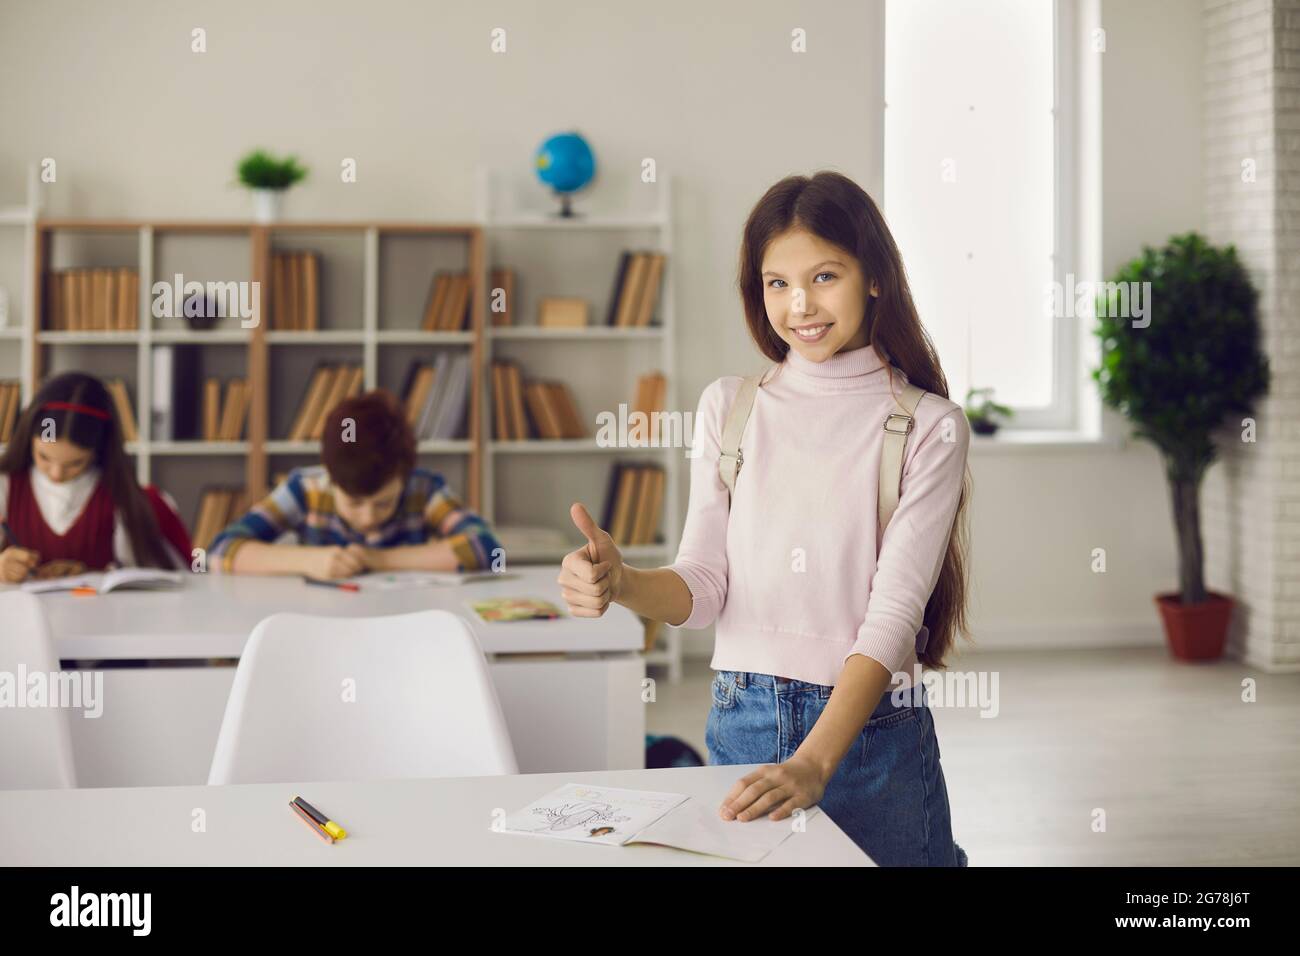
790,572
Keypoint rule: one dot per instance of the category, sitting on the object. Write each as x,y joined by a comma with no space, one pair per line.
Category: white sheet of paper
696,826
402,580
608,815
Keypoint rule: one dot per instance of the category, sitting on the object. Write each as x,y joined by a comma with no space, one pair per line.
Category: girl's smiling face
815,295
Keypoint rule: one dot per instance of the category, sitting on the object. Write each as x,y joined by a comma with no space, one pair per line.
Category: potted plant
1190,366
981,413
268,178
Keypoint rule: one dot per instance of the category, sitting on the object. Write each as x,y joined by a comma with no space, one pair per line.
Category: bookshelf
369,316
375,280
530,484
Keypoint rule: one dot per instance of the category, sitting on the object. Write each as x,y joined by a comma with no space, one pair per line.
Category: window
975,131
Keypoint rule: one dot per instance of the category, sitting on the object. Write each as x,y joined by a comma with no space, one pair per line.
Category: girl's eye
773,284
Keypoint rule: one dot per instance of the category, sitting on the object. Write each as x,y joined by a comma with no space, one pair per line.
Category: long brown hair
102,437
836,209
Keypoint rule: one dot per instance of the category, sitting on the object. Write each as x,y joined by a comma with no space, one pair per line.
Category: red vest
90,539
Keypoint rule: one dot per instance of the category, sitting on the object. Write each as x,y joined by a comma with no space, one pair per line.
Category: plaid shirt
304,504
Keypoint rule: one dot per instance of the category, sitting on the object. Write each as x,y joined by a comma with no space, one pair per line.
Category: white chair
35,742
361,698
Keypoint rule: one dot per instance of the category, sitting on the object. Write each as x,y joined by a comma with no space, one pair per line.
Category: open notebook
103,582
617,817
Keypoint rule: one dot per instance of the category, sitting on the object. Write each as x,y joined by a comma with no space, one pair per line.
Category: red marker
337,585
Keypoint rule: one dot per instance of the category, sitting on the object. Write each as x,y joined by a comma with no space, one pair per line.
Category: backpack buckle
895,431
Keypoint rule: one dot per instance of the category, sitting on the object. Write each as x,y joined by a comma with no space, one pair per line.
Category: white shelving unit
17,333
382,343
507,233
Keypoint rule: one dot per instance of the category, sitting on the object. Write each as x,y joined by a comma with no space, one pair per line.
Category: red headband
84,409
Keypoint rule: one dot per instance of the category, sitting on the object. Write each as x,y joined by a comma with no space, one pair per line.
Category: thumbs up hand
591,576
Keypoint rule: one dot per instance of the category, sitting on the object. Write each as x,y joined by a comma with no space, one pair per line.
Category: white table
571,688
390,823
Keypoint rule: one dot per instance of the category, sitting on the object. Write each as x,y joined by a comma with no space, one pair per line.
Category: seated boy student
366,508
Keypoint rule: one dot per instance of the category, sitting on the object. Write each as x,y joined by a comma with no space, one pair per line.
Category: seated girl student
68,495
366,508
816,615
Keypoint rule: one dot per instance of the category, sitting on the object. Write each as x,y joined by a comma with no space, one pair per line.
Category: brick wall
1251,500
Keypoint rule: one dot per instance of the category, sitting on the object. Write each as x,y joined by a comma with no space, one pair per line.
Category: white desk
578,707
389,823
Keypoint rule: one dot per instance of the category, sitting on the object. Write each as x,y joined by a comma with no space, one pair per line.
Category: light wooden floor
1187,774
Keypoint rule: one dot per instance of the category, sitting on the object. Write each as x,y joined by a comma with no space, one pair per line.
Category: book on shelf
435,397
634,502
538,409
122,403
651,394
217,508
10,399
447,306
175,406
327,386
91,300
636,289
501,295
562,313
295,291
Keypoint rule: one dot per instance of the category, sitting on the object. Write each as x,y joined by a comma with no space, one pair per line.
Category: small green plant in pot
1188,367
983,413
268,178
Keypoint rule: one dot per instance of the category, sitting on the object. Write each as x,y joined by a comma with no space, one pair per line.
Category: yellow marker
329,826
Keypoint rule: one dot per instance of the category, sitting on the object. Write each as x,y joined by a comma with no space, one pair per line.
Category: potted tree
1190,366
268,178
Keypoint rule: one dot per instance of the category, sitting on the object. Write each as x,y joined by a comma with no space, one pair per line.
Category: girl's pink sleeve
702,557
915,543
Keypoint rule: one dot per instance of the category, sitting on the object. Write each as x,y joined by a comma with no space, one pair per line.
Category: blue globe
565,163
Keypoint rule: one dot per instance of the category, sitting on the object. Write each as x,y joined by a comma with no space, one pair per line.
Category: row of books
11,397
295,291
636,289
327,386
224,421
447,307
92,300
435,396
551,411
217,508
634,502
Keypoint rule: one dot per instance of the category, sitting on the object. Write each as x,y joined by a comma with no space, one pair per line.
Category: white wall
141,127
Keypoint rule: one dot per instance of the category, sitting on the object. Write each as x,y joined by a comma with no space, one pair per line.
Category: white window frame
1062,414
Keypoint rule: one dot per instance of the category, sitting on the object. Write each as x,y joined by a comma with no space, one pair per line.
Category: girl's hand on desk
591,576
16,564
776,789
335,562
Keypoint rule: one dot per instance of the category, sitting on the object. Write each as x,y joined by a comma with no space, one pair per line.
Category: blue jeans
888,792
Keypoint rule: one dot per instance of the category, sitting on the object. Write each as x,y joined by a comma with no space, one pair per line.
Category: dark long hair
836,209
102,437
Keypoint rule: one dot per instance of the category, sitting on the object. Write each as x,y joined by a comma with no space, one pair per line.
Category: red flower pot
1195,632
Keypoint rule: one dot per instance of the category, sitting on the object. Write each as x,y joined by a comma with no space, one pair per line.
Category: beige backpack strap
898,425
731,458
